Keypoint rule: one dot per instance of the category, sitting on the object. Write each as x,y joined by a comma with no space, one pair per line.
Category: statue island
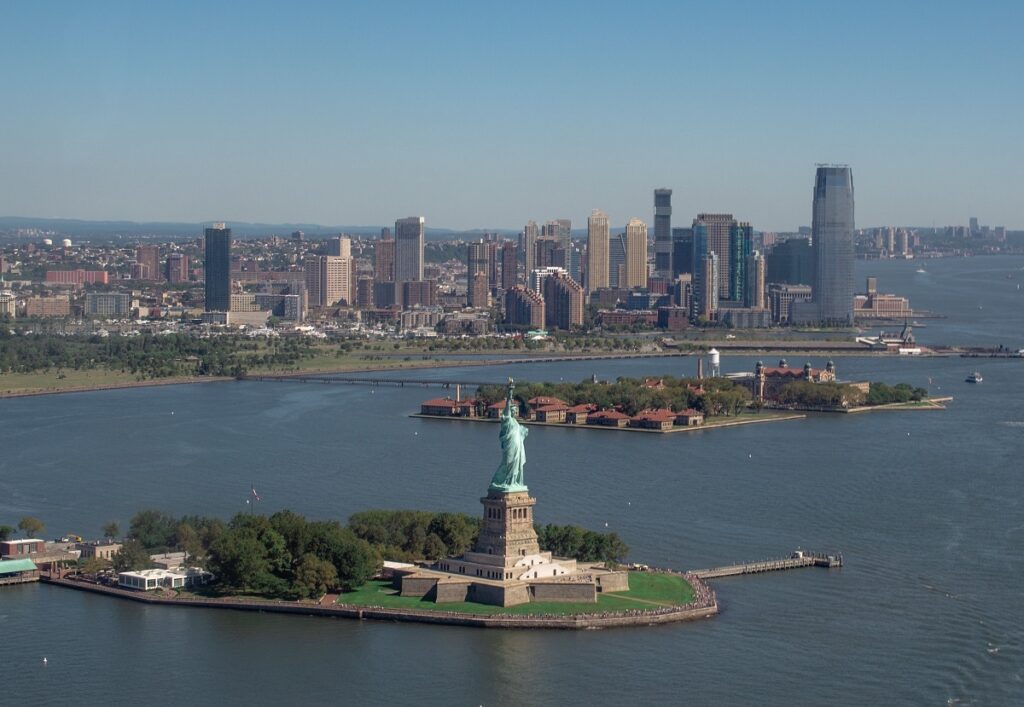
506,567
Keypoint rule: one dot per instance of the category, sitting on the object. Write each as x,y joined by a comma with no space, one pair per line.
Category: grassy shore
646,591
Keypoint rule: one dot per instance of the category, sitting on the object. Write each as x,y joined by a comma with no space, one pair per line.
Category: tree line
148,355
286,555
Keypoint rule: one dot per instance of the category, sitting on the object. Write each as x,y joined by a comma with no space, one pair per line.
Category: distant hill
170,230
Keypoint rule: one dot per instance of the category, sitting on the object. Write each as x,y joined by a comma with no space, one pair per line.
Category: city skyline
295,114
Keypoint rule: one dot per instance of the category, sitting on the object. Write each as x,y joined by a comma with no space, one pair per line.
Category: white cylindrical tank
47,241
716,358
66,242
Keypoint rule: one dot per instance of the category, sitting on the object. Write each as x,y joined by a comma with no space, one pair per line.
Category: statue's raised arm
509,475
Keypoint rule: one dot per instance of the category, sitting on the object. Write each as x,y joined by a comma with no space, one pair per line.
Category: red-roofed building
447,407
577,414
542,400
654,383
608,418
551,413
439,406
768,381
494,410
689,418
662,419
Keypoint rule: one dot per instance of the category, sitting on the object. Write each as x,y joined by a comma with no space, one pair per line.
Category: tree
313,577
131,556
93,565
434,548
31,526
6,532
111,530
153,529
238,558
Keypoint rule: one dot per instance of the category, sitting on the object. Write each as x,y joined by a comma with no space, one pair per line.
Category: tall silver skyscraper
409,233
663,232
832,233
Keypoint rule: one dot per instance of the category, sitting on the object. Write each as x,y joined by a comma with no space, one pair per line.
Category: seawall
703,608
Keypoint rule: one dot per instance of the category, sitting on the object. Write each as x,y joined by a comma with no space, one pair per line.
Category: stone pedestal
508,526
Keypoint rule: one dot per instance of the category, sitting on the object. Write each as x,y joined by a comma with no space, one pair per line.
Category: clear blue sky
481,114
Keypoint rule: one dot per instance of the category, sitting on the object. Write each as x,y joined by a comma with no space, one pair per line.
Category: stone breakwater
704,605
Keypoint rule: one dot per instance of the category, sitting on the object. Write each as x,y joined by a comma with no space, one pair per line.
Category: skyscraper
682,252
509,265
741,239
663,232
529,246
564,232
177,267
477,261
148,256
563,301
718,227
384,260
409,241
340,246
597,250
217,268
705,288
755,290
329,280
832,233
636,254
617,260
524,307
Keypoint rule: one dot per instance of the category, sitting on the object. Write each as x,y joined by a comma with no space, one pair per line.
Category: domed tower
830,369
807,371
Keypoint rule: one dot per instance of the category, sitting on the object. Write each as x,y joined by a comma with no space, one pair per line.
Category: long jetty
796,560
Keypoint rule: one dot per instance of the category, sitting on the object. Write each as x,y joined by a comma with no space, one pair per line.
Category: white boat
922,271
974,378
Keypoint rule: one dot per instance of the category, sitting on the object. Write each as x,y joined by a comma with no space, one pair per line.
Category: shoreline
782,417
667,614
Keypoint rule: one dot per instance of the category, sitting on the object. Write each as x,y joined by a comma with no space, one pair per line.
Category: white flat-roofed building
147,580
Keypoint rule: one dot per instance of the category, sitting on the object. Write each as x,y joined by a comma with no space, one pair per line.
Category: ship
974,378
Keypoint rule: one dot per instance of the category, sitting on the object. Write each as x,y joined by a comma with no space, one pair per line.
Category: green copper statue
509,476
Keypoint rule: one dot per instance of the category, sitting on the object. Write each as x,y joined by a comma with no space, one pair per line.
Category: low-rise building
608,418
577,414
18,571
42,307
689,418
99,550
662,419
21,548
551,413
148,580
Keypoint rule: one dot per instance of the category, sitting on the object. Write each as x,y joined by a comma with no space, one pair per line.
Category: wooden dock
796,560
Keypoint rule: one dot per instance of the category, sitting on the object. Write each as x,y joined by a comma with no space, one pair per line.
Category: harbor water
927,508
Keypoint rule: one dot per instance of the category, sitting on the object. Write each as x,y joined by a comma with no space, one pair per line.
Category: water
925,506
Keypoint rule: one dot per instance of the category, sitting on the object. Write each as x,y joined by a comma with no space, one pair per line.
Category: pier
798,559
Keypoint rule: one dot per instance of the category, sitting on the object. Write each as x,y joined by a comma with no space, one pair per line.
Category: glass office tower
832,233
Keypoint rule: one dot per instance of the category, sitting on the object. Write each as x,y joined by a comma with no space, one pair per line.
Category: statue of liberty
509,476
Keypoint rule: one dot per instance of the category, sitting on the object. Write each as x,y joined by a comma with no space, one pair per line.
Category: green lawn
39,381
646,591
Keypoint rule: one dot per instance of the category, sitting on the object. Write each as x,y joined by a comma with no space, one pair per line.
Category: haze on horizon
478,115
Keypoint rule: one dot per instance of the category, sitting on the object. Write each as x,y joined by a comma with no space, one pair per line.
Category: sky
486,115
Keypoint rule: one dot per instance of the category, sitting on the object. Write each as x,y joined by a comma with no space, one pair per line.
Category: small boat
922,271
974,378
